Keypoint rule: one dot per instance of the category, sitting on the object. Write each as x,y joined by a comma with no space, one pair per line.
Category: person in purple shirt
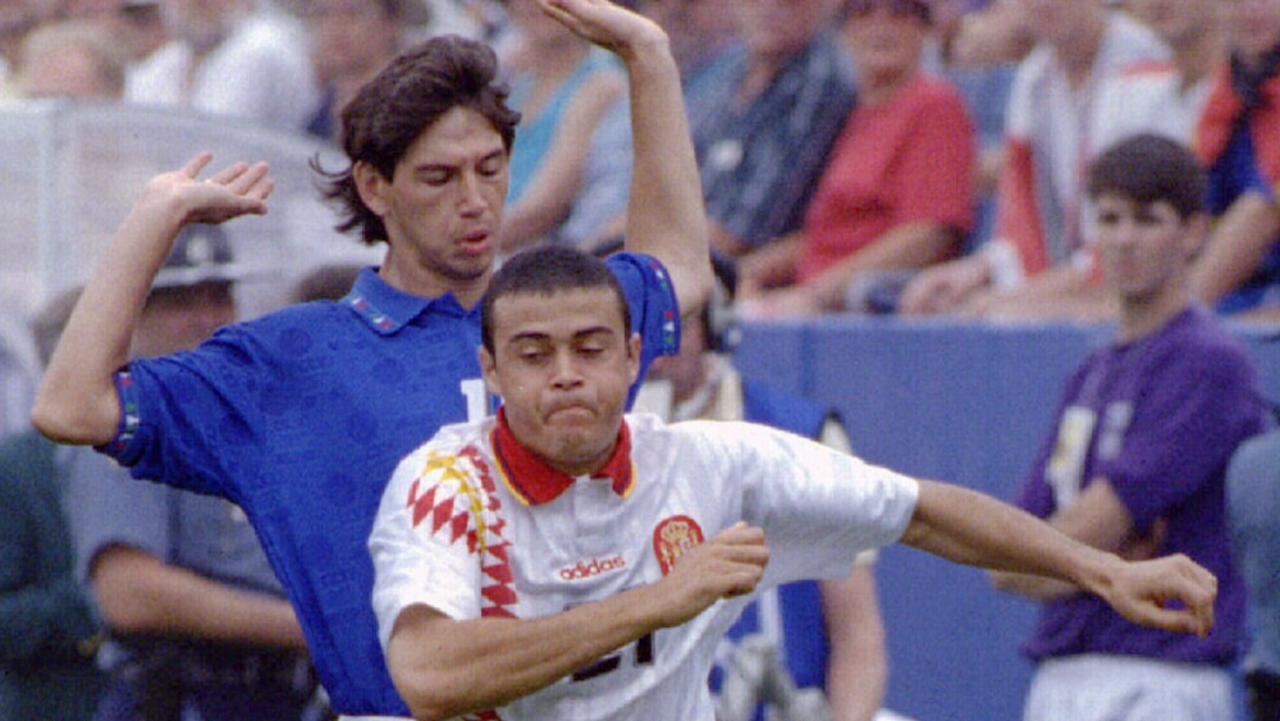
1137,462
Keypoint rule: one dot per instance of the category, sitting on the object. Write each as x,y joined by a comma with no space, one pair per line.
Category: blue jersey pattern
300,417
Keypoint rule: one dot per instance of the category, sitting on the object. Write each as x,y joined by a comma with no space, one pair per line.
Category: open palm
604,23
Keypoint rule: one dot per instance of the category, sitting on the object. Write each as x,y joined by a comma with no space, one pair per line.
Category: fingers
248,176
196,164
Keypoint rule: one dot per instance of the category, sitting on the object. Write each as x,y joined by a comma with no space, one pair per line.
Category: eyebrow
432,166
577,335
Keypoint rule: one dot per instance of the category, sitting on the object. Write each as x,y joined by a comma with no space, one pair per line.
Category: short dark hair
391,111
547,270
1149,169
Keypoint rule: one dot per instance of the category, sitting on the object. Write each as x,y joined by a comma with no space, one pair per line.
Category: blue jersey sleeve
655,313
195,420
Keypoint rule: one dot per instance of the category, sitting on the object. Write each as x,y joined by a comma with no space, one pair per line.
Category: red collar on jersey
534,482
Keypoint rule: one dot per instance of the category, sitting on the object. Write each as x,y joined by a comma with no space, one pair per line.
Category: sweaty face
563,364
442,206
1145,249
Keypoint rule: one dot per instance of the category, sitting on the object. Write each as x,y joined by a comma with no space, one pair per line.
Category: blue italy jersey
301,417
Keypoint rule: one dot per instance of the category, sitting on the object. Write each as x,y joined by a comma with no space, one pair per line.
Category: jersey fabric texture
301,416
473,525
1159,418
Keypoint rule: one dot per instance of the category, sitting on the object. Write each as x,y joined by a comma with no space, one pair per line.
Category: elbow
64,418
427,696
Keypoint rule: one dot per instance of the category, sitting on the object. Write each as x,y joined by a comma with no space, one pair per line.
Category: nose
566,374
471,199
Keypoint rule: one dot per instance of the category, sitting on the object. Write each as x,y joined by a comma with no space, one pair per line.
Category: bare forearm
1236,248
1036,588
970,528
140,594
77,401
665,213
858,669
486,663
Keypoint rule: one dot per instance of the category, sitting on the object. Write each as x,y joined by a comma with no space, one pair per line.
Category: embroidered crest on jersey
454,498
672,537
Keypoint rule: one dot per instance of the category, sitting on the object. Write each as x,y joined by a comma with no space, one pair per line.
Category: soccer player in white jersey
564,561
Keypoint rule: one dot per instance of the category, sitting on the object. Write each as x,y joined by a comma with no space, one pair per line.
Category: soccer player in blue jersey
300,417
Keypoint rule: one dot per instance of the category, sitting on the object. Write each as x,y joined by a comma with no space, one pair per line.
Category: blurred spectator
1239,140
701,33
1253,497
135,22
897,194
562,86
827,635
772,122
1167,98
1137,465
48,633
72,59
999,32
327,282
16,20
351,40
199,624
1048,135
227,58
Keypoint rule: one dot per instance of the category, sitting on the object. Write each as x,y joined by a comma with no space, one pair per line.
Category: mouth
571,411
476,242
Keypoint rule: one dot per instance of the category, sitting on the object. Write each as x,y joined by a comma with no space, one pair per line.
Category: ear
633,357
371,186
1195,235
489,366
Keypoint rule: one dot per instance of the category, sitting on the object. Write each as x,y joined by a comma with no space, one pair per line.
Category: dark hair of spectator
547,270
391,111
328,282
1149,169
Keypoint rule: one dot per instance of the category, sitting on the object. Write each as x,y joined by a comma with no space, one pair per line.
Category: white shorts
1095,687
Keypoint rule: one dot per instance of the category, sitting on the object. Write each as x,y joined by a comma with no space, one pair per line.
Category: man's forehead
566,312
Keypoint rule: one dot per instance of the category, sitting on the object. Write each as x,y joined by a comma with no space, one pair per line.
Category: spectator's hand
942,288
730,564
240,189
605,24
1144,591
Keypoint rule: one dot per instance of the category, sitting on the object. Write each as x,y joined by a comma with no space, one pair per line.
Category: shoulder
1199,345
1129,41
454,456
935,100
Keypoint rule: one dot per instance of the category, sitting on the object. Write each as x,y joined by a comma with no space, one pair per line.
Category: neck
1141,318
412,278
881,87
1078,53
1198,56
761,71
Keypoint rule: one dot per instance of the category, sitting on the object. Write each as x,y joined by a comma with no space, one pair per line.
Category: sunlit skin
442,207
563,364
1146,250
1062,22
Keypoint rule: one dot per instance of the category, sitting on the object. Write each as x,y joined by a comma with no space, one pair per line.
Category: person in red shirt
898,192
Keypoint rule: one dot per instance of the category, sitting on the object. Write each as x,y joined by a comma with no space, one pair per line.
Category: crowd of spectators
913,157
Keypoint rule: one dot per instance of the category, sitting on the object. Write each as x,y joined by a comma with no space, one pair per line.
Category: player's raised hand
1143,592
239,189
730,564
605,23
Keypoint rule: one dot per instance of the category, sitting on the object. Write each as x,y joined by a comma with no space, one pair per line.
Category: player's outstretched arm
444,668
967,527
665,213
77,402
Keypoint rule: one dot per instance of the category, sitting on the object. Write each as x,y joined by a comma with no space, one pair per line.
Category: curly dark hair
391,111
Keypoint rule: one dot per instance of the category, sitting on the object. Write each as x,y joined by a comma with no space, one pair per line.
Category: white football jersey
470,531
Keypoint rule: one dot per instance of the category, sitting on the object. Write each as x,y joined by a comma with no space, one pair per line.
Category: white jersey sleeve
427,539
818,507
